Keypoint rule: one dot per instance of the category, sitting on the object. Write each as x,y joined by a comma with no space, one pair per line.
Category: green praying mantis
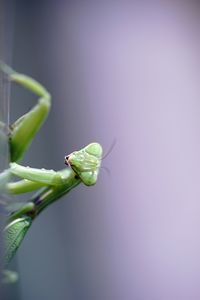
83,166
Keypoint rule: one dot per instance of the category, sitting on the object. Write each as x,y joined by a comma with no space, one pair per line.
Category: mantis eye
67,160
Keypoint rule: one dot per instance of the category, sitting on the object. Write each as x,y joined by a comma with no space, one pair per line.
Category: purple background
126,70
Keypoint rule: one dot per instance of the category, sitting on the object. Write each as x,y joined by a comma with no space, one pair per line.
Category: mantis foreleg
35,178
25,128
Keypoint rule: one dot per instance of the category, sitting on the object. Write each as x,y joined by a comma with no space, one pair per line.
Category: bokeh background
124,70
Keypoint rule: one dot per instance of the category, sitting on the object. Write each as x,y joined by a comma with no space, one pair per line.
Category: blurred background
116,69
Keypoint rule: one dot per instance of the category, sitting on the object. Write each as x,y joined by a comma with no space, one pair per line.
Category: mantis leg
46,177
22,186
25,128
20,221
35,178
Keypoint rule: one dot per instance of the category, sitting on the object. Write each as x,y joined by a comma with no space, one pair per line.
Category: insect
83,166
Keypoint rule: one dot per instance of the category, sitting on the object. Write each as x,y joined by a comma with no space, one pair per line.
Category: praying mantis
83,166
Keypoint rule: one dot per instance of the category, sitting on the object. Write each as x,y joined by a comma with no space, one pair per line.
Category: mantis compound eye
67,160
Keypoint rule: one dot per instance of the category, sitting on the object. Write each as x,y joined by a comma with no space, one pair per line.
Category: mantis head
86,162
